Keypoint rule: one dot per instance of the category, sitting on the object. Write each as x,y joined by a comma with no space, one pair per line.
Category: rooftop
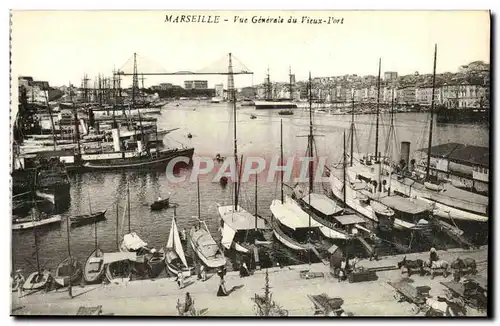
461,153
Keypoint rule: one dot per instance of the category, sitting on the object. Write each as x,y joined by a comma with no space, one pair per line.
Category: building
423,95
248,92
195,84
466,164
406,95
219,90
465,95
390,76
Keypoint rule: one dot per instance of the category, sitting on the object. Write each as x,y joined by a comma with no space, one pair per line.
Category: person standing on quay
19,279
180,280
203,273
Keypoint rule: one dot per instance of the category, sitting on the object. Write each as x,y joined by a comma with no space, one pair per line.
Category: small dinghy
36,281
69,270
87,218
175,259
156,262
118,266
160,204
253,116
94,267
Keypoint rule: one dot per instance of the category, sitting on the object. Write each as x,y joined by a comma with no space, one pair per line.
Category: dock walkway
159,297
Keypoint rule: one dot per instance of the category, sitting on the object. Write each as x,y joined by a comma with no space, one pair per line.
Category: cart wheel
415,309
398,296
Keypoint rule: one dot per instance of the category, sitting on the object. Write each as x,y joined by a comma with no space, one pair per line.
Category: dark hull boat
158,161
160,204
88,218
69,270
155,263
119,266
94,267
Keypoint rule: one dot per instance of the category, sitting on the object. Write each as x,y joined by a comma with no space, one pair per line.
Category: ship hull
140,163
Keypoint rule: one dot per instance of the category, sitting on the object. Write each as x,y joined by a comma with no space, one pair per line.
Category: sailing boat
233,217
38,279
131,241
175,259
318,206
203,243
118,264
449,201
93,270
80,220
288,219
69,271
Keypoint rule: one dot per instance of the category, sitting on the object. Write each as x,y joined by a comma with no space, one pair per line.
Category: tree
265,306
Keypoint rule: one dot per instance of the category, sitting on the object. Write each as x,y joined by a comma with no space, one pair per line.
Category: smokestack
405,151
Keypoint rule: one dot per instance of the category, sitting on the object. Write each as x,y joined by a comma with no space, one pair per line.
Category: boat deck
240,219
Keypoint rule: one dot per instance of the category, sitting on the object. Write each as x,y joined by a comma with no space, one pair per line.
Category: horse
434,266
412,265
464,264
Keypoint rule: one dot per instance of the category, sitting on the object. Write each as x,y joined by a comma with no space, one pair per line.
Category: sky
60,46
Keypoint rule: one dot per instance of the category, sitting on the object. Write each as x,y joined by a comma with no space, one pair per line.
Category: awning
111,257
349,219
240,219
133,242
322,204
291,215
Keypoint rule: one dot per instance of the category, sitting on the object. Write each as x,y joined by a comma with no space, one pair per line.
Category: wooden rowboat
36,280
93,270
87,218
69,270
160,204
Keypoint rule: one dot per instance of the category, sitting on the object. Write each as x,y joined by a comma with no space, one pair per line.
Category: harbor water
212,132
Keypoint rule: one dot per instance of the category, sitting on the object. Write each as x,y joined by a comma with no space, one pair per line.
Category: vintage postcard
240,163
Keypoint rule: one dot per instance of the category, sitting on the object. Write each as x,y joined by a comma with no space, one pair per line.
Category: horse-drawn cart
326,306
472,292
417,296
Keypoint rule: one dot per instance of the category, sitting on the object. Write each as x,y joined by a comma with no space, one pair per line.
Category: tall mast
291,83
427,170
117,235
128,206
344,163
352,131
67,231
233,98
77,131
256,205
198,195
378,109
135,82
310,138
310,144
95,231
281,153
35,232
51,119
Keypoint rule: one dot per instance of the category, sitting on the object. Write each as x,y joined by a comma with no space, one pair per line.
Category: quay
159,297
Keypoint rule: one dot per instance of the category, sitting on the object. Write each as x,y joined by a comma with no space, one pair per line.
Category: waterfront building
195,84
390,75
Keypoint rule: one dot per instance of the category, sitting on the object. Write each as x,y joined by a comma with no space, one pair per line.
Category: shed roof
465,154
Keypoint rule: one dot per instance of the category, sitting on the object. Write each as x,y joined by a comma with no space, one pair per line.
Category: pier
159,297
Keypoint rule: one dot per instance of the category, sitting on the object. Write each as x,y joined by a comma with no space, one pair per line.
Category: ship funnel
116,140
405,151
